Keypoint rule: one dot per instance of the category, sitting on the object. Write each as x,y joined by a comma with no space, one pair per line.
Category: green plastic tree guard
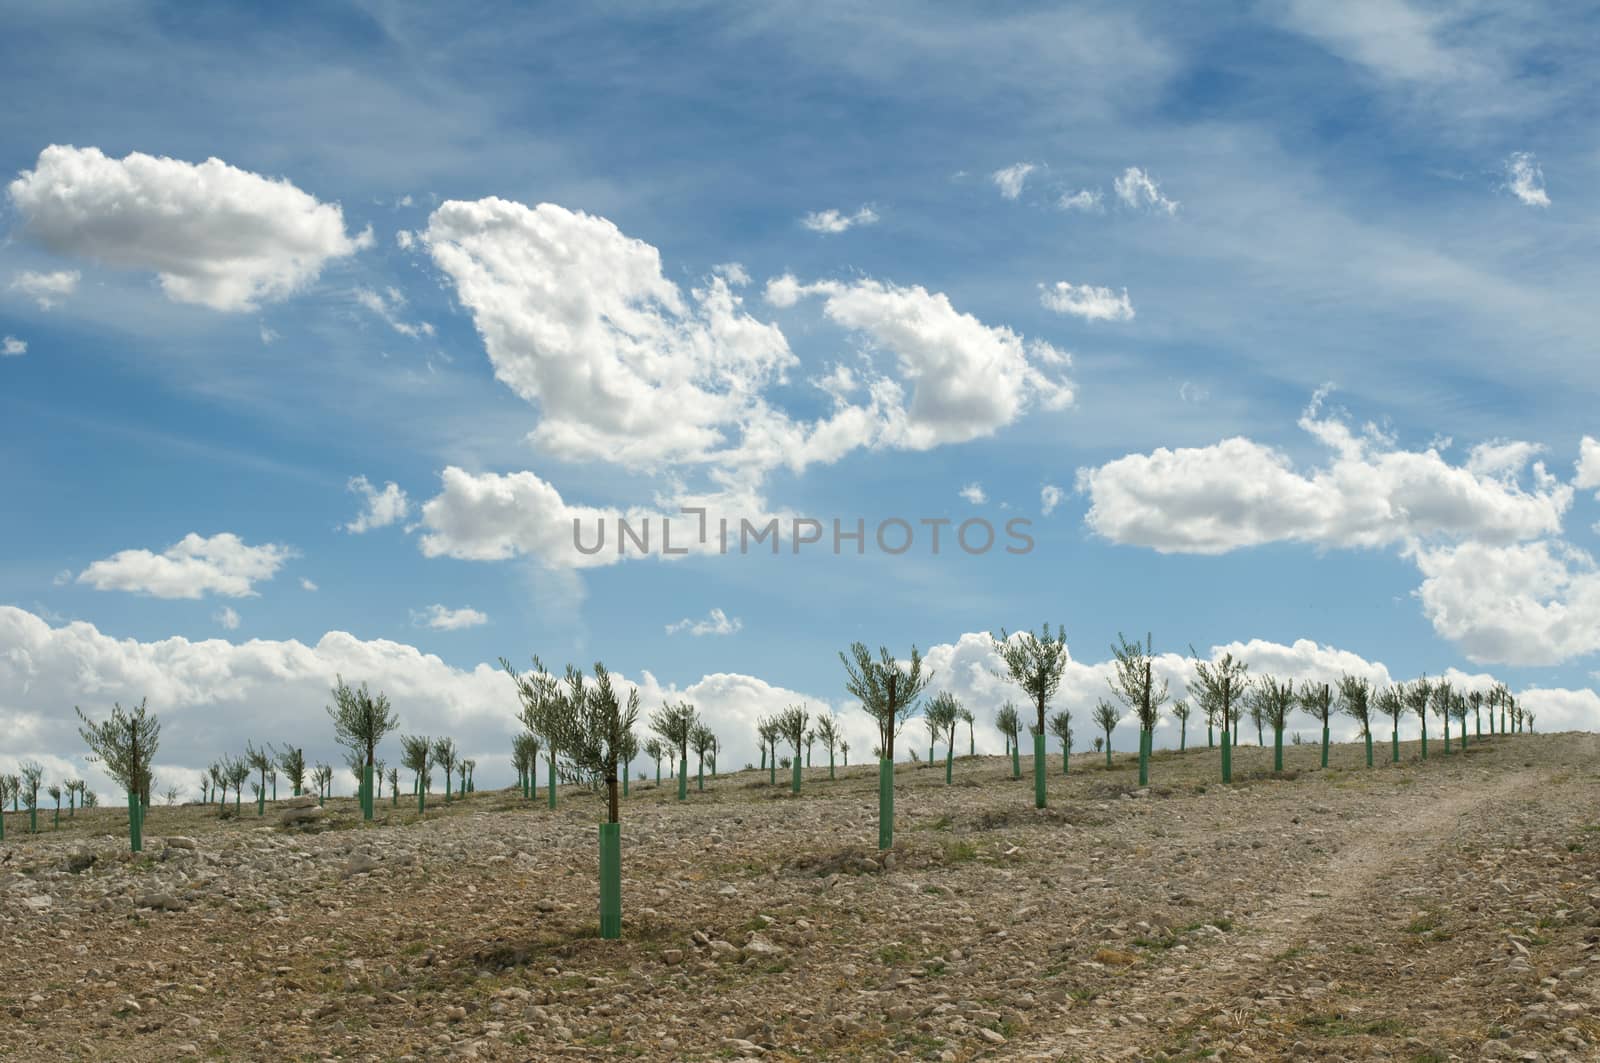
794,780
1369,749
550,783
1065,759
772,769
885,803
1277,749
369,805
1394,740
611,880
1038,770
830,763
700,777
1108,751
261,804
625,775
1227,758
1016,758
949,763
2,824
1324,746
1424,739
135,824
1144,757
683,778
33,819
1210,743
1447,734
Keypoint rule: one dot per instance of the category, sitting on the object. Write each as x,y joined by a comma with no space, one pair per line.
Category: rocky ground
1438,910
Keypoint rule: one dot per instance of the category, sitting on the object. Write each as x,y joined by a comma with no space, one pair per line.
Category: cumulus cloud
11,347
191,568
833,221
1588,464
307,585
379,508
1532,603
973,493
215,235
441,618
1237,493
1049,498
1087,301
1087,200
716,622
1525,179
46,289
228,617
387,304
1135,188
1011,179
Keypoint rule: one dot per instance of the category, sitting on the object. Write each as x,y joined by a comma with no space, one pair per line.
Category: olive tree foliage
1355,701
32,779
828,732
1391,702
1106,717
1009,724
941,716
1273,701
524,754
593,729
322,776
1061,728
701,740
1221,686
447,756
292,762
792,726
1181,712
416,754
360,719
1035,663
674,724
887,691
1134,682
541,701
654,750
124,743
237,770
259,760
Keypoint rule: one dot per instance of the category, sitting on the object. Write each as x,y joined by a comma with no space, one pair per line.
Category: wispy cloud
1087,301
715,623
46,289
974,493
1525,179
11,347
1011,179
441,618
1136,188
833,221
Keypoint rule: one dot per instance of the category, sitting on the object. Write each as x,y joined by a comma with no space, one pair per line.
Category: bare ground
1438,910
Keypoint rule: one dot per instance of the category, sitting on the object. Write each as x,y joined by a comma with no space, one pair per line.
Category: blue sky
1392,200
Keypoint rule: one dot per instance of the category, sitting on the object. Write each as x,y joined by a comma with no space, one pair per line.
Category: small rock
994,1037
161,901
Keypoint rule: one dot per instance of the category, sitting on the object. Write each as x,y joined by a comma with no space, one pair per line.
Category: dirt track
1430,911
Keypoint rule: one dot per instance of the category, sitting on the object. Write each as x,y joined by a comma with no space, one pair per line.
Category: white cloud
1525,180
1588,464
405,239
833,221
191,568
735,273
380,509
11,347
1137,189
1391,37
387,305
973,493
268,336
1050,497
228,617
579,319
46,289
1237,493
307,585
215,235
715,623
1084,199
1189,391
441,618
1086,301
1011,179
1532,603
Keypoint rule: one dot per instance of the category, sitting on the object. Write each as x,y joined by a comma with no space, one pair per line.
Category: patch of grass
958,851
894,954
942,823
1337,1024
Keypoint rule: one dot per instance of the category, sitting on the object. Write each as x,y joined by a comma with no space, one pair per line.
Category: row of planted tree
585,728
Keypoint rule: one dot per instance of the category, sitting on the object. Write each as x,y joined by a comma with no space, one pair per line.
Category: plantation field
1447,909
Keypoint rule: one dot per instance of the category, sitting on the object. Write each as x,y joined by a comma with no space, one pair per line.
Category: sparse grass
958,851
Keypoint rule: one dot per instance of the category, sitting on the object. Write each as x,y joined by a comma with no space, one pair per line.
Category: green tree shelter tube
1277,749
1227,758
949,763
1144,757
683,778
885,803
830,763
1038,770
1324,746
794,781
135,824
611,880
1394,745
1369,748
1016,758
550,784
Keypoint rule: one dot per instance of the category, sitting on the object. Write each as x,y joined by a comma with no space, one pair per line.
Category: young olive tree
768,732
888,693
238,770
811,737
701,739
1475,702
1274,701
1317,699
259,760
1035,663
828,732
1221,686
543,708
673,724
1009,724
1180,712
32,778
1442,701
1355,701
1105,717
941,716
54,790
1392,703
74,796
1061,727
360,721
322,776
416,754
125,743
1458,713
792,726
446,756
292,762
468,766
971,722
654,750
525,758
591,734
1134,684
